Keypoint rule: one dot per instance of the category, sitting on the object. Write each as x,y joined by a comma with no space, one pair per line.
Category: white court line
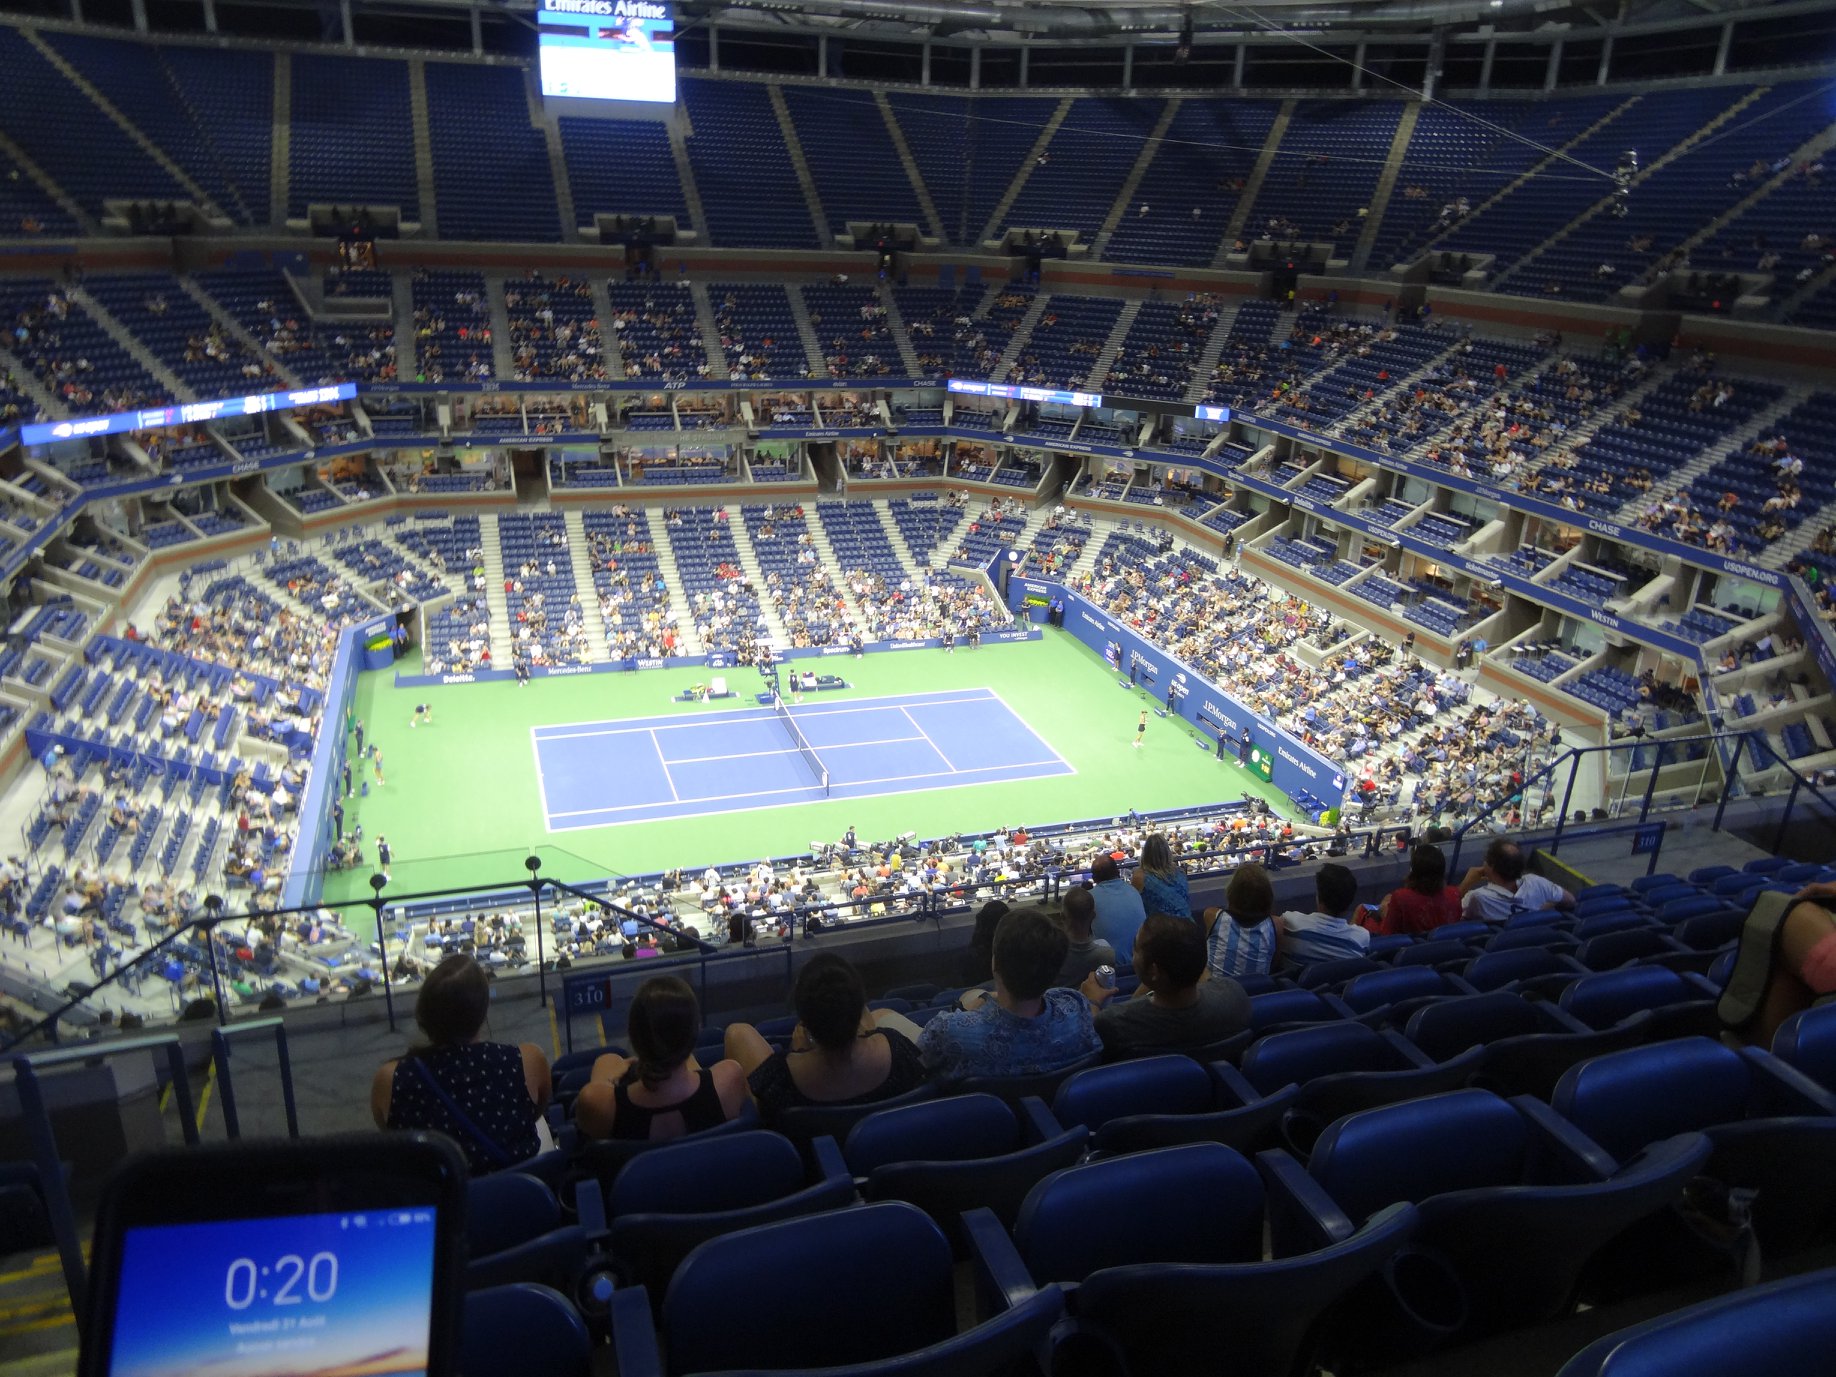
809,788
535,744
754,715
668,778
792,750
1050,750
927,736
762,807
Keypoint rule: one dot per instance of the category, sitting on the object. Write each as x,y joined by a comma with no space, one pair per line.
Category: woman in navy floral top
498,1090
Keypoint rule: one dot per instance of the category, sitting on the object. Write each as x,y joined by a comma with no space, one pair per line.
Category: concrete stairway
1209,356
503,356
687,638
685,173
932,220
1675,151
557,160
896,537
755,575
32,170
280,151
806,330
602,307
1386,185
423,150
139,352
1112,346
1252,185
598,648
1542,166
1126,196
710,330
795,147
132,130
1012,194
828,559
1808,151
1022,333
407,347
235,330
24,380
1764,422
896,323
502,646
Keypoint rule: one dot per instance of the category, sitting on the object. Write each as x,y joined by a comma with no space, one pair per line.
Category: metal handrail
226,1086
1574,755
43,1136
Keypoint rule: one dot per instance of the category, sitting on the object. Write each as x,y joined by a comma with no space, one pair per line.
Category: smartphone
341,1255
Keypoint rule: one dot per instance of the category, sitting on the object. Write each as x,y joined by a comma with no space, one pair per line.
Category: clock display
281,1296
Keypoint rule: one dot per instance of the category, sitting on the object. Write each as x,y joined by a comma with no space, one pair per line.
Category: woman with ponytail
660,1090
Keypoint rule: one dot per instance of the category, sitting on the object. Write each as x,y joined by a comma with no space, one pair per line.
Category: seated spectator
1160,883
1241,937
1119,909
840,1052
1086,952
1175,1005
1025,1027
1425,900
660,1091
486,1096
1787,970
1500,889
1326,934
978,964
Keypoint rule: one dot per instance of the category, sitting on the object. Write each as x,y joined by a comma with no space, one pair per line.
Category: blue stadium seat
874,1296
663,1204
521,1328
1784,1329
1772,1128
1477,1167
953,1154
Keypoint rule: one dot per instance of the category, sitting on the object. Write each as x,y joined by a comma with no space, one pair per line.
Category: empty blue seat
952,1154
1678,1002
874,1292
1476,1168
663,1204
507,1331
1773,1129
1783,1329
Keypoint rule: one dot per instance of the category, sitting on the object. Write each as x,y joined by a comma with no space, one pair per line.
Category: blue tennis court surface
594,774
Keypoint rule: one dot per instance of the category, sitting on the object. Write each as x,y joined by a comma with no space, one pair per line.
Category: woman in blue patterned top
1162,884
486,1096
1023,1028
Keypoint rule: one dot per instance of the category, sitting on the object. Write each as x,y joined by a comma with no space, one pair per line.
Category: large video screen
607,50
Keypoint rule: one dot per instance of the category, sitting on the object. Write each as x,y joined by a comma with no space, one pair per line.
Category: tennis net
802,743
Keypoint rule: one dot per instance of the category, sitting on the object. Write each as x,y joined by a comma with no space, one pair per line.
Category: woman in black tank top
660,1091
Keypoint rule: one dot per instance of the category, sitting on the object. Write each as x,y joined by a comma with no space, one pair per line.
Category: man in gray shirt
1172,1008
1087,951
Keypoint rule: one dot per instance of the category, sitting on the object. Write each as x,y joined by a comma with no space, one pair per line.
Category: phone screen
347,1293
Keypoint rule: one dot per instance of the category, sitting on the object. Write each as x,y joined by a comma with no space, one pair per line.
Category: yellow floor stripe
32,1326
38,1309
48,1262
554,1031
210,1079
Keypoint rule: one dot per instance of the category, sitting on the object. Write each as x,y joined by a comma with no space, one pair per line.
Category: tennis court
598,774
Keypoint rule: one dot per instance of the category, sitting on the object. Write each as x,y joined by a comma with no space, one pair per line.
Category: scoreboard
619,50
